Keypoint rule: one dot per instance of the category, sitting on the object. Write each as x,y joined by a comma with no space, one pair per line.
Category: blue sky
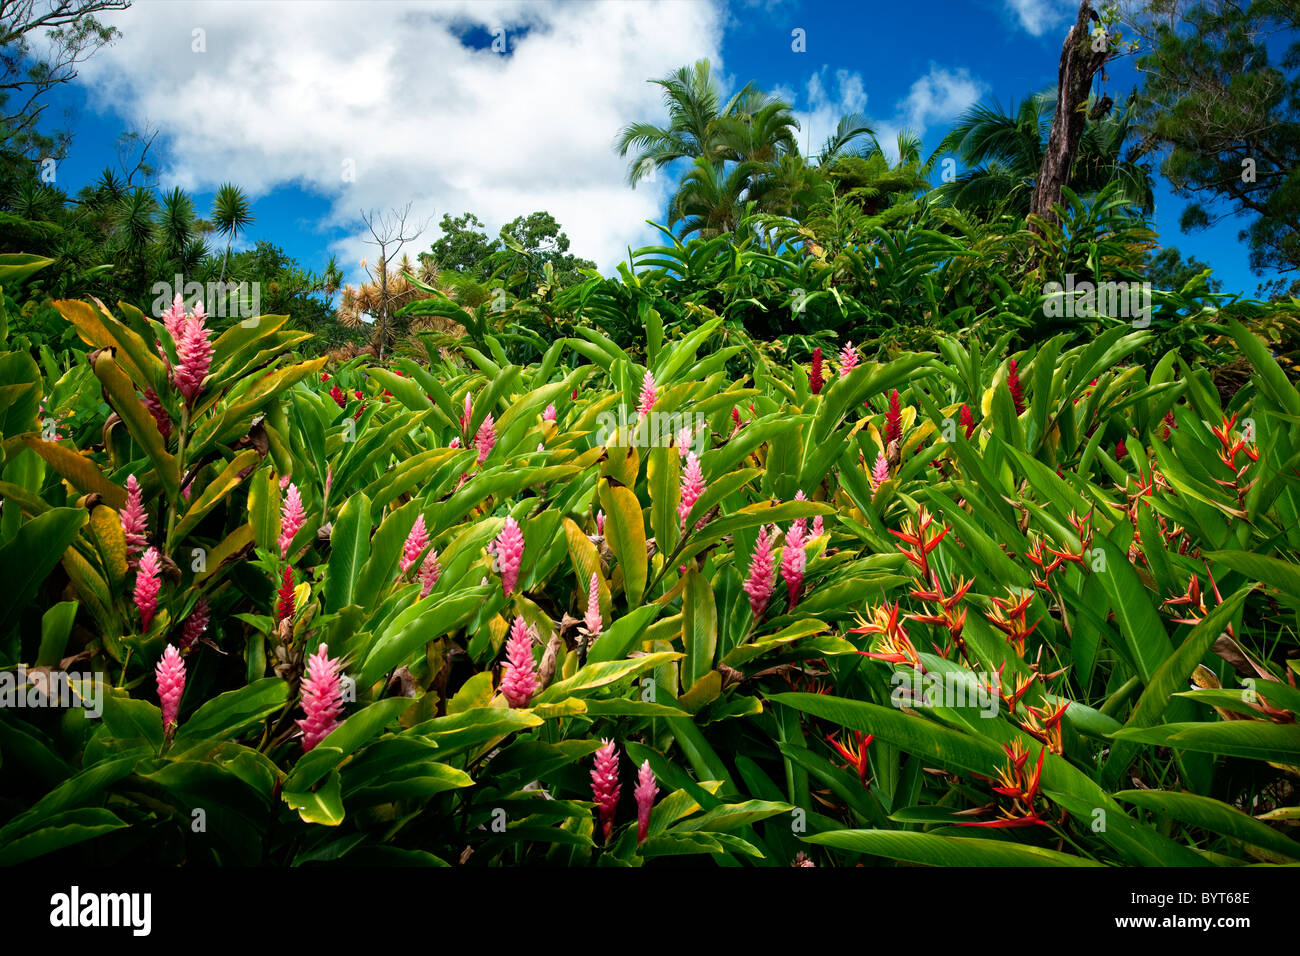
321,109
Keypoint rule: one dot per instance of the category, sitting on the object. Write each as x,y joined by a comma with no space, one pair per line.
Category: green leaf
1213,815
230,714
935,850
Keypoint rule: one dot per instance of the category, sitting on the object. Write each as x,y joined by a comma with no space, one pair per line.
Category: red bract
285,598
1013,386
893,420
815,379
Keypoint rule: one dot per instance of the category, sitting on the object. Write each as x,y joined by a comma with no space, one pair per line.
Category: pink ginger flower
195,625
549,414
800,525
793,562
292,518
600,523
520,682
147,583
135,522
430,571
193,356
645,797
170,675
604,785
285,481
649,394
416,542
486,438
322,698
848,359
174,318
286,600
593,619
816,380
880,472
467,415
455,442
155,407
762,574
1013,386
684,439
509,554
818,526
692,488
893,419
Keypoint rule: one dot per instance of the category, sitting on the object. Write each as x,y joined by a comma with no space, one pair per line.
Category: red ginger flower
645,797
135,522
286,598
520,681
793,562
486,437
762,574
416,542
430,571
593,619
509,547
170,676
967,420
195,624
893,419
815,380
1013,386
340,399
155,407
322,698
649,394
692,488
604,785
193,356
147,583
292,518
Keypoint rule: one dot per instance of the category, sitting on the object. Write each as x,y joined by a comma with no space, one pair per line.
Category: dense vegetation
844,526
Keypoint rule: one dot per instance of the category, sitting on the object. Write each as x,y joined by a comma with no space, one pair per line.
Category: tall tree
1221,100
390,232
69,33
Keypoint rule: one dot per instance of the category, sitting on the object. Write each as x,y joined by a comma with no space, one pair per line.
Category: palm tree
711,199
230,215
176,226
694,130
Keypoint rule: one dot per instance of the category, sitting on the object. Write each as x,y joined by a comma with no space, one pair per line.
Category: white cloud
938,96
290,92
1038,16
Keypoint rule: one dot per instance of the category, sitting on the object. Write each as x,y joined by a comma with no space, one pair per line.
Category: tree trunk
1079,63
383,303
